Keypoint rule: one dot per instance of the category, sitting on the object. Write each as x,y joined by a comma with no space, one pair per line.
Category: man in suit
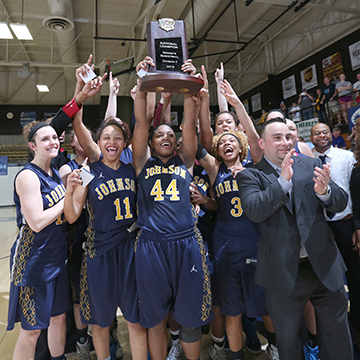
298,259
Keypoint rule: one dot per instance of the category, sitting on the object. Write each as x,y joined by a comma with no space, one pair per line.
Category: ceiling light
5,32
21,31
42,88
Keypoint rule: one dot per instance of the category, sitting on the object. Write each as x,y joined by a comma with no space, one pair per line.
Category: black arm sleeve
60,121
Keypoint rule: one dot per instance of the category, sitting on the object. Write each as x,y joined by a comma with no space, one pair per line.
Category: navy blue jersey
297,150
231,218
248,161
125,156
73,165
206,217
111,205
164,196
37,258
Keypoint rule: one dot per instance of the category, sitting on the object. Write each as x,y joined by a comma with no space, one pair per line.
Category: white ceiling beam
21,85
41,64
334,8
318,6
50,87
243,29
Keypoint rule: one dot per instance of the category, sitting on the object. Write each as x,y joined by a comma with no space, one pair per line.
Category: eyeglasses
324,132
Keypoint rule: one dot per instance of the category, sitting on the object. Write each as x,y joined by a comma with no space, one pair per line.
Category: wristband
71,108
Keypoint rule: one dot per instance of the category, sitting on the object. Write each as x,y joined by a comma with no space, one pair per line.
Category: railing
331,118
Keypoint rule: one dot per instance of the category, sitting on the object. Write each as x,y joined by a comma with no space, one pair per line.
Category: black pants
343,231
286,313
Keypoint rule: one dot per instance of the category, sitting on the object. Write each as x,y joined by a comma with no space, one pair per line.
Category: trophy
167,46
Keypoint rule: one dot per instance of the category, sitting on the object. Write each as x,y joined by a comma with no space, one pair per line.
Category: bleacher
18,154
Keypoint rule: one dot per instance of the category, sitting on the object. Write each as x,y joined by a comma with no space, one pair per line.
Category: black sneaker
252,343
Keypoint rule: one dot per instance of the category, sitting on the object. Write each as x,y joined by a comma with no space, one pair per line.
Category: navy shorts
109,281
33,306
172,276
238,292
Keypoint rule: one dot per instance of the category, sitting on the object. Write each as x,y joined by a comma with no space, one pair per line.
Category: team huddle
186,233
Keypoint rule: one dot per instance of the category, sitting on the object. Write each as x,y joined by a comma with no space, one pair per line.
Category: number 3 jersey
230,218
111,203
38,257
164,196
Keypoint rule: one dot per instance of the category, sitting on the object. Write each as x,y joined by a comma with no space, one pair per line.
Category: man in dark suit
298,259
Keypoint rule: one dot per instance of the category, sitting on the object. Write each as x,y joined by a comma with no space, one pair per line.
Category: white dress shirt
341,165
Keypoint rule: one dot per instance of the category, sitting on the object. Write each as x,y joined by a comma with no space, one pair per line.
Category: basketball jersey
164,196
297,150
248,161
111,202
38,257
125,156
205,217
231,218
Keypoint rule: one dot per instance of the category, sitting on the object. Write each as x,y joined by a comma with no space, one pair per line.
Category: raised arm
252,135
150,105
206,133
166,109
189,144
85,139
140,147
27,186
114,86
219,78
208,162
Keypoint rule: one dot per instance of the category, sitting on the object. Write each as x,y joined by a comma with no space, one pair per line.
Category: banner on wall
289,87
3,165
304,128
309,77
246,105
256,102
332,65
354,51
27,117
48,115
354,113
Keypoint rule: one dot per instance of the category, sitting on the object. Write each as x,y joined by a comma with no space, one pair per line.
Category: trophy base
172,83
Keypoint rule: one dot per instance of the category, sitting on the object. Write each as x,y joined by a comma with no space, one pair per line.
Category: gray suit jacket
284,223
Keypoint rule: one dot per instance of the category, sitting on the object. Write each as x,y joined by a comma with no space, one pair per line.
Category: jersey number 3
171,190
237,210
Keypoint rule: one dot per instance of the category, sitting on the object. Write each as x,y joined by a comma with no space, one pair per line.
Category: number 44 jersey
164,196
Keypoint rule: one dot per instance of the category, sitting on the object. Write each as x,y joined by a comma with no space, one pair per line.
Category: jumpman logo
101,175
193,269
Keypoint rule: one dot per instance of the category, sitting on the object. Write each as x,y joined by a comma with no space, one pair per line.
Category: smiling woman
168,241
108,261
39,279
